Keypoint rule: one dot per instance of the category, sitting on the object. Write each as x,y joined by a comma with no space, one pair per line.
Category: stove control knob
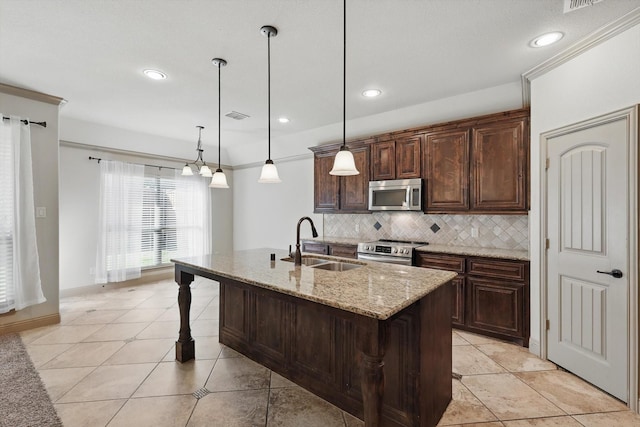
406,251
395,250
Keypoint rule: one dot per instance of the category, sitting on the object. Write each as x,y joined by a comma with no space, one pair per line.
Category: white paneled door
588,254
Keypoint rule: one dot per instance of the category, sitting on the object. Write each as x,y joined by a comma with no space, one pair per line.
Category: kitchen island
374,340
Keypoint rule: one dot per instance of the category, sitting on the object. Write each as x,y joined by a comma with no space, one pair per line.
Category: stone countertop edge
514,254
377,290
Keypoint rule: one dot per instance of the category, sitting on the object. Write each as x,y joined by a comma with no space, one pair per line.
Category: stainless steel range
392,251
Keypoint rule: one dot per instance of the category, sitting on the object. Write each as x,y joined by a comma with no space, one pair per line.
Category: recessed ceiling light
283,120
371,93
546,39
155,74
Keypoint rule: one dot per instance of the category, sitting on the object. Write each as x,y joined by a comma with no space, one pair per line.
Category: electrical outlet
357,228
474,232
41,212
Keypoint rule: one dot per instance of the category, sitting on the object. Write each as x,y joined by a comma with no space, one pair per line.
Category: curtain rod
28,122
143,164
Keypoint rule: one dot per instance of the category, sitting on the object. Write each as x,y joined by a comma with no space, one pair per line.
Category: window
148,217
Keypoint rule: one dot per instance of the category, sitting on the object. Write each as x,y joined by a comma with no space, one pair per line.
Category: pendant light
202,170
269,173
219,180
344,163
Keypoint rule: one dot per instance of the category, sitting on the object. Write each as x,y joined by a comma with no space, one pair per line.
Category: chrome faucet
297,259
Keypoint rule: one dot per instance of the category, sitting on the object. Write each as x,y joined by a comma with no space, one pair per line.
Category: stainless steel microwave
395,195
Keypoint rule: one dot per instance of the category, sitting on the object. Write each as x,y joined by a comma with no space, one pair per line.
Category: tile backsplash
493,231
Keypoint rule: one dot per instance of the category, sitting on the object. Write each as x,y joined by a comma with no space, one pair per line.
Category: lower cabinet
490,295
335,249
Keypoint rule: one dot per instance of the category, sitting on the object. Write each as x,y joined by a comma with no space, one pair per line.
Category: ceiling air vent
571,5
235,115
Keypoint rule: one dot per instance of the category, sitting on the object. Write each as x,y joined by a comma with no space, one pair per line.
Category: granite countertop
334,240
476,251
377,290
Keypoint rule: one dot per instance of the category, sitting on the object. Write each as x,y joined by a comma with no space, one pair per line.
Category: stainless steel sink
308,261
336,266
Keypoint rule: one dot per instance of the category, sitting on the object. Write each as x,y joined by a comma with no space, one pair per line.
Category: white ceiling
92,53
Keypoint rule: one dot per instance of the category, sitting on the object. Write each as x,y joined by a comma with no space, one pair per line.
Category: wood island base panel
390,366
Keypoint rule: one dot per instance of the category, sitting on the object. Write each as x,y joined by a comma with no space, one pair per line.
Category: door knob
615,273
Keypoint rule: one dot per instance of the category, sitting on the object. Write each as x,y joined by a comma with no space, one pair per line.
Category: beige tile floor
110,362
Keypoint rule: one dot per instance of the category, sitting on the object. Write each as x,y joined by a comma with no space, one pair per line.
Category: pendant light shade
186,170
219,180
344,163
205,171
269,173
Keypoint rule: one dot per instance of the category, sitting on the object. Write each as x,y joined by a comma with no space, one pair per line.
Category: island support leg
371,342
185,346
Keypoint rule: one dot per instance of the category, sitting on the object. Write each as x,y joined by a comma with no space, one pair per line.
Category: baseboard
148,276
36,322
534,347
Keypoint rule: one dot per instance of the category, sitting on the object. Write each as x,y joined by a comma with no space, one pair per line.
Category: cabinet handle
615,273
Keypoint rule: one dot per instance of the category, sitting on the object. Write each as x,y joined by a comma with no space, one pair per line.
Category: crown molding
599,36
30,94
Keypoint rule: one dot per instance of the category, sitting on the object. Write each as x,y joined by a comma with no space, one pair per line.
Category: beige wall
39,107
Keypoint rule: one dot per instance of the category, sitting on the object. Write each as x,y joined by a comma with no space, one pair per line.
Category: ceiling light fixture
284,120
202,170
344,163
546,39
371,93
219,179
155,74
269,173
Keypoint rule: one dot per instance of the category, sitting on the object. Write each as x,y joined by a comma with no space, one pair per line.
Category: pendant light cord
219,125
344,78
269,96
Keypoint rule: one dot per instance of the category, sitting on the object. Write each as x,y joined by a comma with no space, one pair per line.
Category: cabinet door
408,157
345,251
446,171
498,167
496,306
354,190
451,263
326,188
383,159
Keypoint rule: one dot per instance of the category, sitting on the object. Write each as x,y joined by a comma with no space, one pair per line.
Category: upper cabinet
346,194
396,159
499,167
479,166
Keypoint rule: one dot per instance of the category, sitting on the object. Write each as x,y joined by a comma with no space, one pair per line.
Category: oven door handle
389,259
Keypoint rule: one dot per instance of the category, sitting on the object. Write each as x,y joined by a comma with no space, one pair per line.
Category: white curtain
193,215
20,284
119,254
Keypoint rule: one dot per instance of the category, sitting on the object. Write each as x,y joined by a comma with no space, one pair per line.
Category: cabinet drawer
315,248
504,269
441,262
345,251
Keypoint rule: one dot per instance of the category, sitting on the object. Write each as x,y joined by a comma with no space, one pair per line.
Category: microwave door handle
409,197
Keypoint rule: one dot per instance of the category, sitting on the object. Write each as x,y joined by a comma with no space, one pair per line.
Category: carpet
23,398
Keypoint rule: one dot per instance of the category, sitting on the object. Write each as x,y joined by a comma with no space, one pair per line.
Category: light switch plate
41,212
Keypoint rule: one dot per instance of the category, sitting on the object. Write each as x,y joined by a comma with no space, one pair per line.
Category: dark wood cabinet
314,247
320,348
345,251
383,160
408,157
396,159
490,295
326,187
450,263
447,171
335,194
499,167
354,190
